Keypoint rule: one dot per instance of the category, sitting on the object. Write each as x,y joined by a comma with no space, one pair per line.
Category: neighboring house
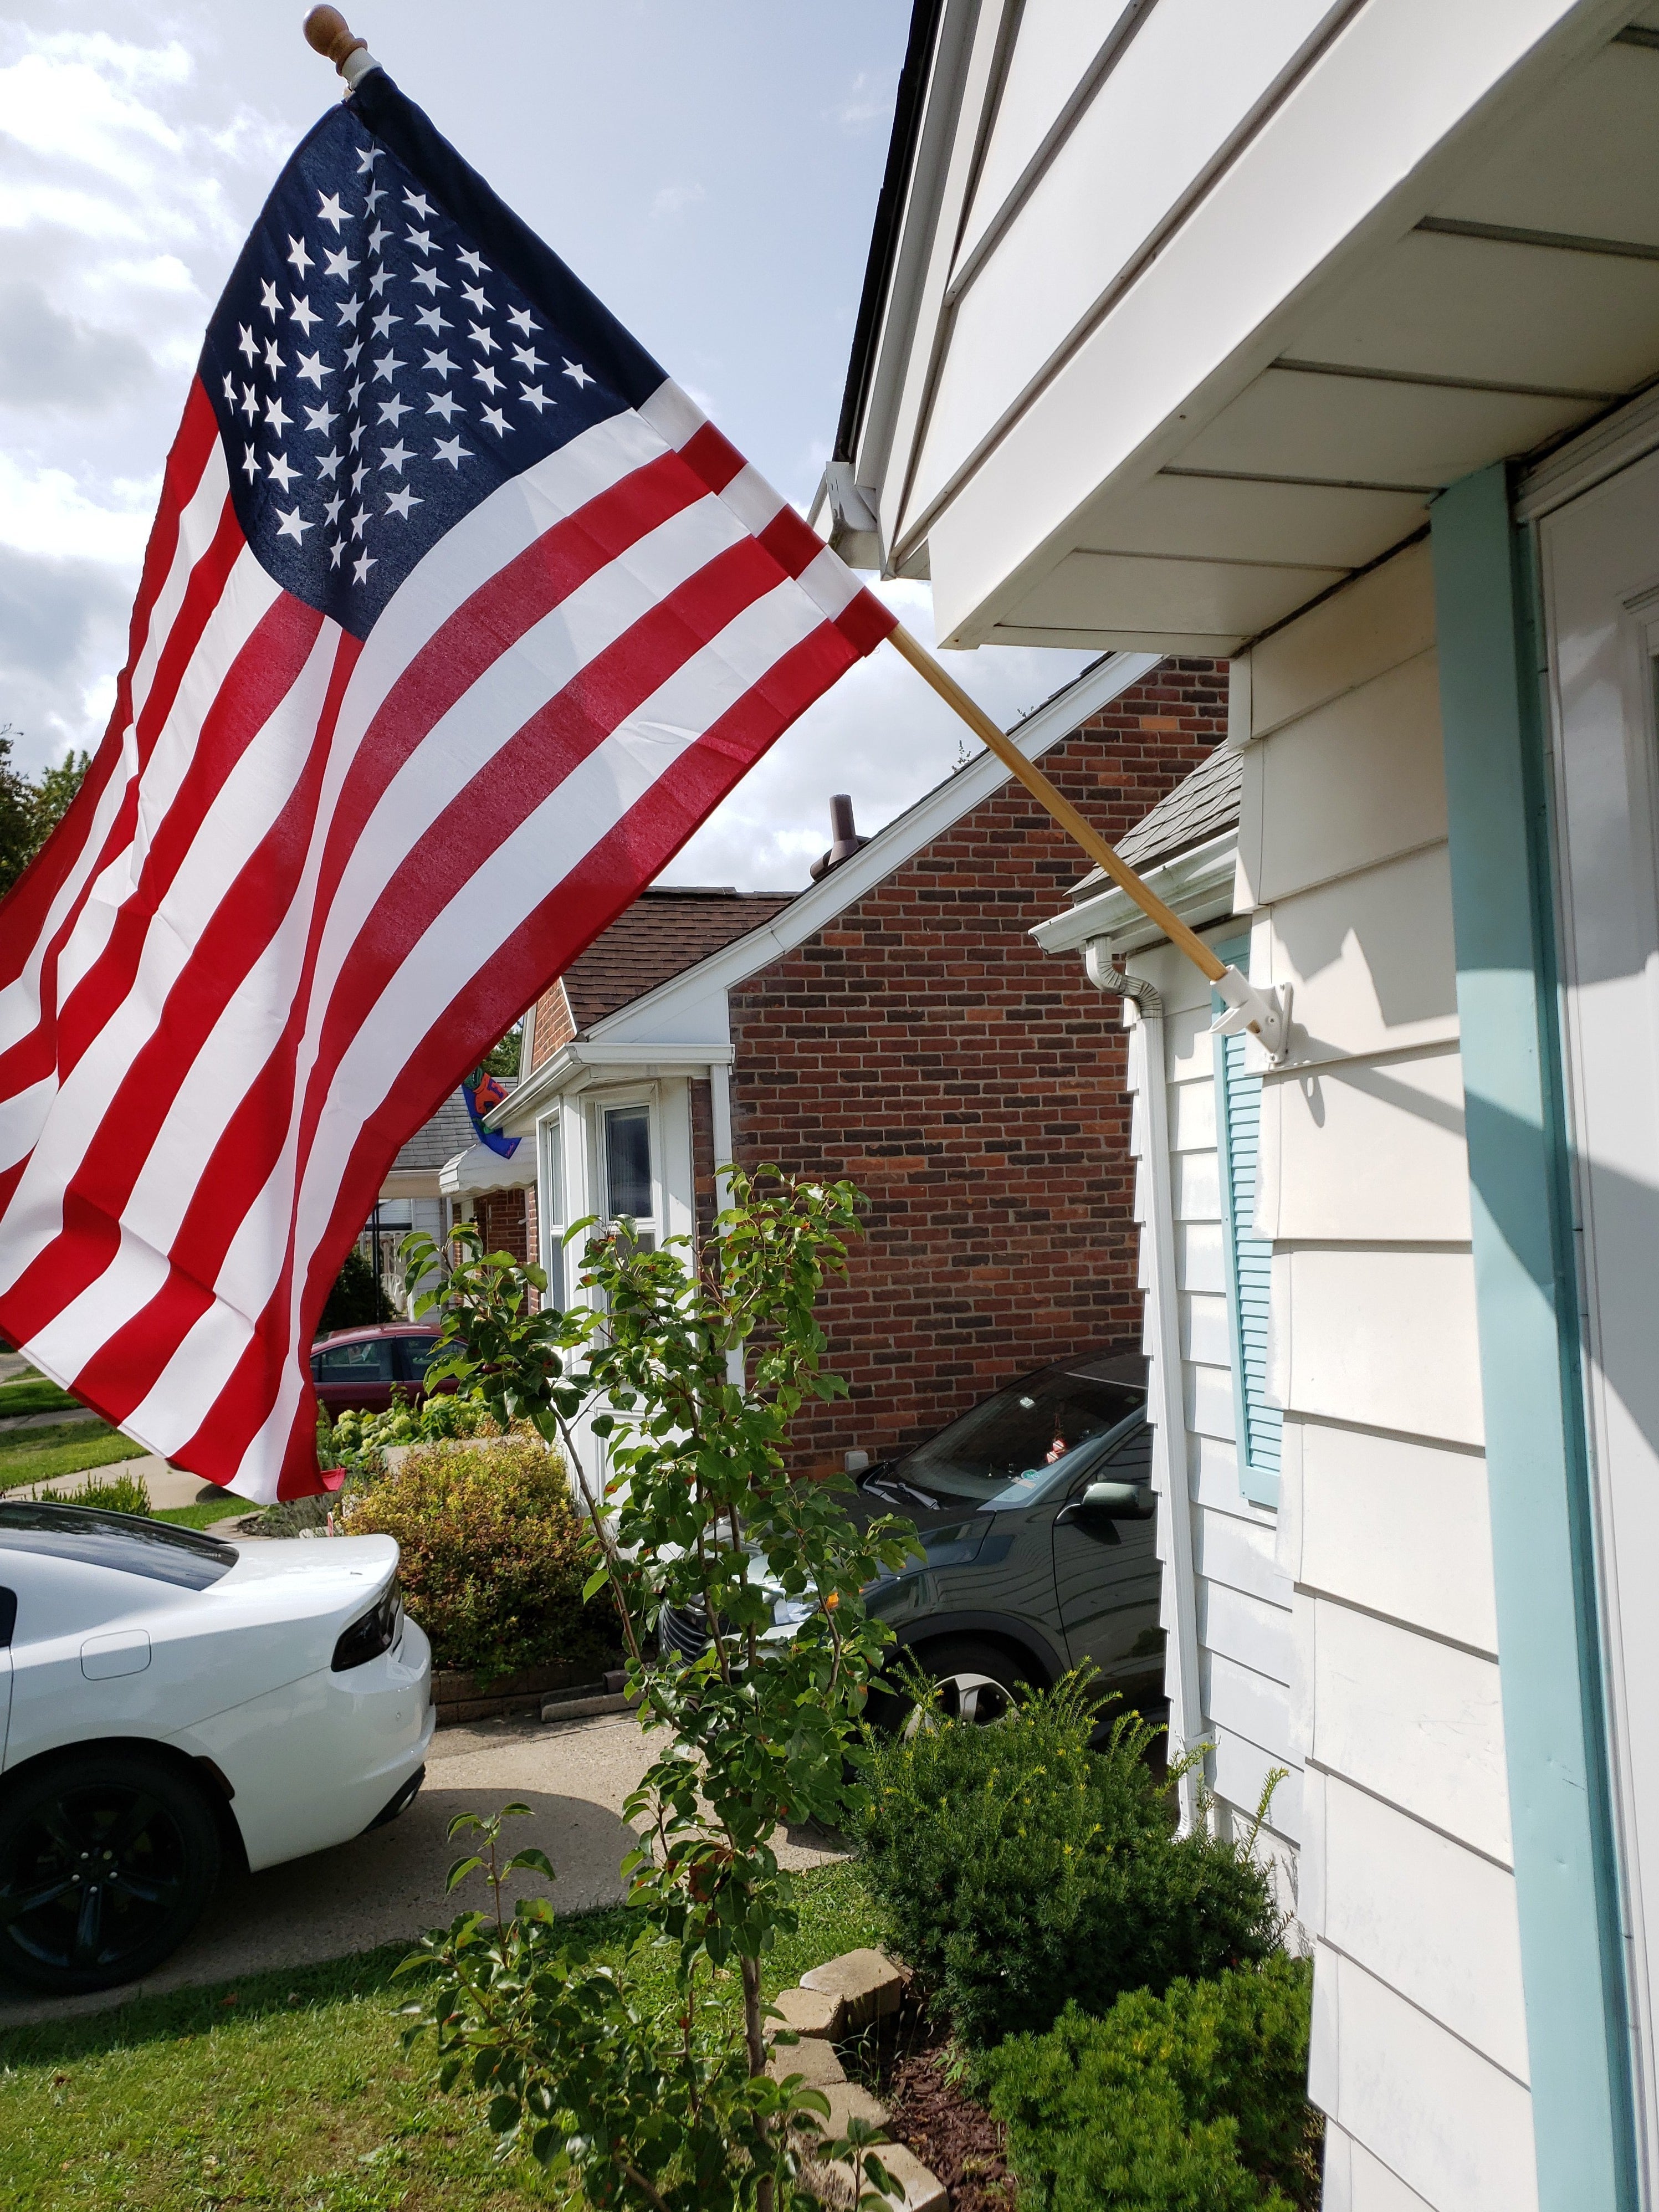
890,1024
443,1174
1320,337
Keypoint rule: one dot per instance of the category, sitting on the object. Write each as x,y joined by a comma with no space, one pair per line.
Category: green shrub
356,1299
1192,2102
358,1441
115,1493
1020,1869
493,1565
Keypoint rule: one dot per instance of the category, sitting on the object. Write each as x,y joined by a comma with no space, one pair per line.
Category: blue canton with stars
392,346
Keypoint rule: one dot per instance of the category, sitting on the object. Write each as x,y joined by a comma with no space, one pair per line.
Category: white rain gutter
1170,1453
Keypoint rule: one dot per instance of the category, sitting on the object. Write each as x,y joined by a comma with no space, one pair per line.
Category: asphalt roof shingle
448,1132
668,929
1202,806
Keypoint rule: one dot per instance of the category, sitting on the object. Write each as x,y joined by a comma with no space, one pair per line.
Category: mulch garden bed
905,2060
957,2138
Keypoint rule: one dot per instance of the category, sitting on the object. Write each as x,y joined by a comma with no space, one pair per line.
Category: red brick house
893,1024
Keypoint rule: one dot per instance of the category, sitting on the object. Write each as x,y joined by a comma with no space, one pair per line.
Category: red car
356,1369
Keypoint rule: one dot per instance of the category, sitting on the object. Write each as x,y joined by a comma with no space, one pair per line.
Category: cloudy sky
711,171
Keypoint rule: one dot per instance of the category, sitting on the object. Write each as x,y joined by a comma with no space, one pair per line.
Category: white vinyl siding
1419,2057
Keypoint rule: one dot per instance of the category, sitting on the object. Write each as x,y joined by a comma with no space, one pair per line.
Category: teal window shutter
1257,1424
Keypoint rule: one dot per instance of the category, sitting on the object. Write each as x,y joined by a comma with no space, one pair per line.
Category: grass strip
288,2090
33,1394
38,1454
203,1513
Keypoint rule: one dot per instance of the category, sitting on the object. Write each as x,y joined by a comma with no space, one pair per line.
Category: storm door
1600,574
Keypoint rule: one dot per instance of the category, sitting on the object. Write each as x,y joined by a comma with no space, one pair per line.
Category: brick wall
972,1086
553,1026
502,1217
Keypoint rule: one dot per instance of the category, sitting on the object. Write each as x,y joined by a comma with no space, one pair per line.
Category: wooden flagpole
1058,804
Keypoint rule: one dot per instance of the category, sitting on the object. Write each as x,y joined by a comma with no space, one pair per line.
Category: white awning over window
480,1169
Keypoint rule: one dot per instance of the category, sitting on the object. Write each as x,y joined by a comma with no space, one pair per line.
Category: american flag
457,619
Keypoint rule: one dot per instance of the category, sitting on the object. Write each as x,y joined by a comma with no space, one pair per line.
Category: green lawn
203,1513
32,1393
28,1455
287,2092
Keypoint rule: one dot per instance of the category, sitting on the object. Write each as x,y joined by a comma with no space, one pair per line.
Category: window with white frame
1257,1424
627,1175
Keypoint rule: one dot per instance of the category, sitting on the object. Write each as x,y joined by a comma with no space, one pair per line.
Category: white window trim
597,1103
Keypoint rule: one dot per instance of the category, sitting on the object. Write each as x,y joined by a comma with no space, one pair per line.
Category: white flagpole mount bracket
1251,1010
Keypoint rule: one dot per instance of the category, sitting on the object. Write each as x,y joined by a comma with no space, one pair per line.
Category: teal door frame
1549,1640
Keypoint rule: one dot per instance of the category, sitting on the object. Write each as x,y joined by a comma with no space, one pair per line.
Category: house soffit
1482,290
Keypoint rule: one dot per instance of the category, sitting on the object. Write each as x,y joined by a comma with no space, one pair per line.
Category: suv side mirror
1115,1501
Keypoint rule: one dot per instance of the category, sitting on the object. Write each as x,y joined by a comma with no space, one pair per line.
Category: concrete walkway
168,1485
388,1887
66,1417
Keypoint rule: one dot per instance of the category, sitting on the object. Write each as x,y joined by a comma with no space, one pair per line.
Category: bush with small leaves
113,1493
1021,1868
1194,2102
493,1562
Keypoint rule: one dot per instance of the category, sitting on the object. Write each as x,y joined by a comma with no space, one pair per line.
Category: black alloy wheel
973,1681
107,1858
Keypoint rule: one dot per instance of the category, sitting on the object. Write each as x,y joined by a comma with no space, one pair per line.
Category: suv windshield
1028,1426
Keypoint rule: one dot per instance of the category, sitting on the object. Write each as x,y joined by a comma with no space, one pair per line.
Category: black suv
1035,1510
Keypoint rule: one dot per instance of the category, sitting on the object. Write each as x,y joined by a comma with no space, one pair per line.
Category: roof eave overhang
1198,885
589,1059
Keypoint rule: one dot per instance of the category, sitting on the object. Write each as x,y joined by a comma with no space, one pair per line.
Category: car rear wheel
978,1682
107,1858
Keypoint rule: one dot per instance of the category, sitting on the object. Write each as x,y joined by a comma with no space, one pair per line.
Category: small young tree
690,1377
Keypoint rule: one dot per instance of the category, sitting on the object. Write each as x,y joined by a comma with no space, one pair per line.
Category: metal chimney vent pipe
845,840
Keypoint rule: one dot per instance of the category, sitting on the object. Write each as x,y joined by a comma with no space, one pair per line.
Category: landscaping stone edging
840,1998
460,1698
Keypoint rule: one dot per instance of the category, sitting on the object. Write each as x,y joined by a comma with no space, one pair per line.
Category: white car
170,1702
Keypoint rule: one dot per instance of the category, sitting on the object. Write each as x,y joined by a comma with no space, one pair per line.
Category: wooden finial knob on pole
329,33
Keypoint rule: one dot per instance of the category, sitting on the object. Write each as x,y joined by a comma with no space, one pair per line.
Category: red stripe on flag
864,621
23,911
793,544
714,459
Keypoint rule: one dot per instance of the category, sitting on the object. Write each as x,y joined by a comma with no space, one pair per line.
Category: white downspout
720,1118
1168,1412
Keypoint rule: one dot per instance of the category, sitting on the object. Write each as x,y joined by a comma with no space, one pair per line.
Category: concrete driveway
388,1886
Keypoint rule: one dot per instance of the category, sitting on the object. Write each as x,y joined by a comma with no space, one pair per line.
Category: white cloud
869,101
46,511
674,199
